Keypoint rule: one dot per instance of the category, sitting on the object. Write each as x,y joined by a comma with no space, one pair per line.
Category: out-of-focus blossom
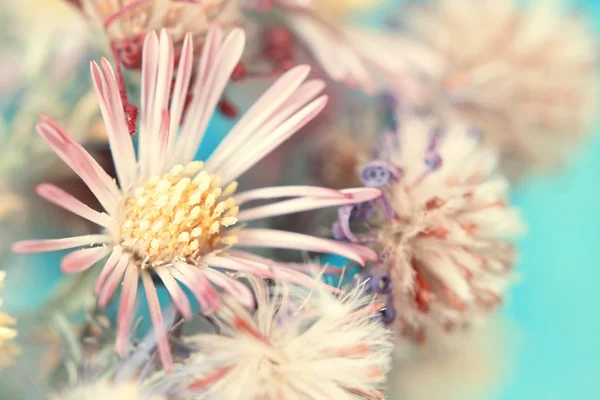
126,23
443,228
525,75
359,57
466,365
89,369
7,334
175,218
296,345
42,36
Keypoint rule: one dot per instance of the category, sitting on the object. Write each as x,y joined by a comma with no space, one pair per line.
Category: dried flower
175,218
297,345
94,372
356,56
526,77
443,229
126,23
7,334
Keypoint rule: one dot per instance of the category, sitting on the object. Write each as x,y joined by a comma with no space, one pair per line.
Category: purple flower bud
433,161
375,175
388,314
380,284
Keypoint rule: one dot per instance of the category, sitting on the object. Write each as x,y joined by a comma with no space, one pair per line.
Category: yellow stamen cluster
7,334
178,217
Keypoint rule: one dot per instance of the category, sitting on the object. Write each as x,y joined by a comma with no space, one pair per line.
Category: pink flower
446,229
359,57
126,23
297,345
172,216
526,75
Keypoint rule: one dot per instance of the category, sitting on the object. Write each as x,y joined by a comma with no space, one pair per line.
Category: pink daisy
126,22
175,217
359,57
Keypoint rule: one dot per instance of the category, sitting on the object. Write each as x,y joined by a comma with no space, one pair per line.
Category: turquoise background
555,305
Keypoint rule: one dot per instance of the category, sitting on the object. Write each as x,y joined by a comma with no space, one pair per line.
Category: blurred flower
359,57
42,36
126,23
443,228
7,334
89,369
296,345
173,217
527,77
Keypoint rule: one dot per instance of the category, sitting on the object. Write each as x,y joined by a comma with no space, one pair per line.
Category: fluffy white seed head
447,246
295,346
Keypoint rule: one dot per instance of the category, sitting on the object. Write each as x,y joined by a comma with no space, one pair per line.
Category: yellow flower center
178,217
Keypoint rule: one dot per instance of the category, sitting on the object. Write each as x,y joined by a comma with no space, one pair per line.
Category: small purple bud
374,175
380,284
433,161
388,314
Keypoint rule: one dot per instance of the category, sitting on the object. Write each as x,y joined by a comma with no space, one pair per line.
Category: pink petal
126,310
298,100
364,252
182,83
164,351
332,51
218,76
235,288
286,191
205,294
44,245
82,259
264,268
59,197
163,143
164,79
115,121
252,120
178,296
271,238
278,136
110,264
354,196
149,70
80,162
113,281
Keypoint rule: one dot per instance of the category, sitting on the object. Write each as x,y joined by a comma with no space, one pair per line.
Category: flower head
126,23
346,52
94,372
297,345
7,334
443,228
176,219
526,77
